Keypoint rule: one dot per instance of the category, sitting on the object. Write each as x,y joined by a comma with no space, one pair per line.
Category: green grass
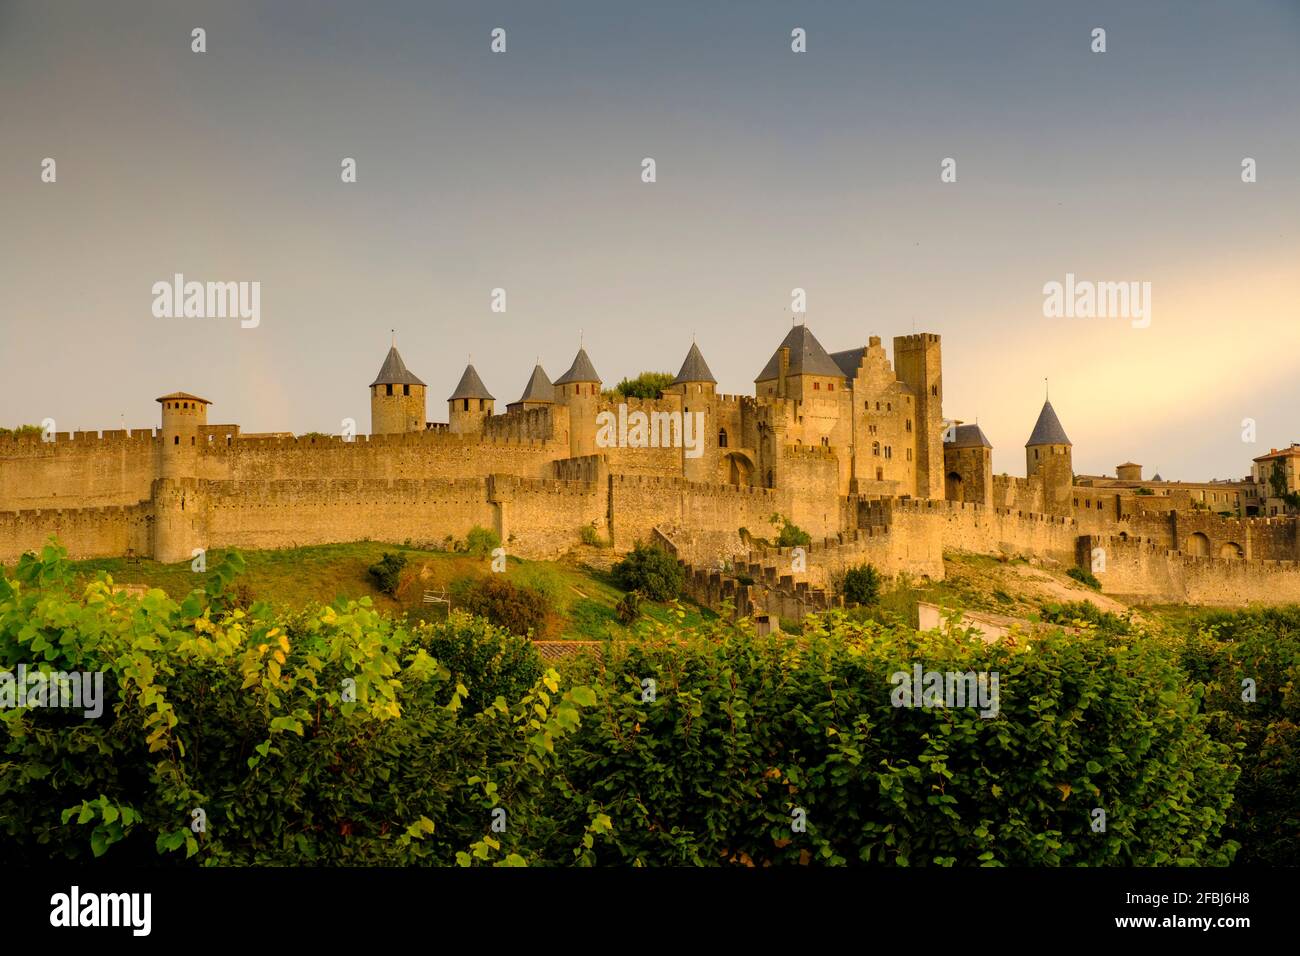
584,598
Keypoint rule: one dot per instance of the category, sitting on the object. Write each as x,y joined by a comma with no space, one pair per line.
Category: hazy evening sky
775,170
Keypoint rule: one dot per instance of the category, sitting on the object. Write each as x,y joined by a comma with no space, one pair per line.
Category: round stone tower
184,419
179,523
579,390
697,387
1048,456
470,405
397,398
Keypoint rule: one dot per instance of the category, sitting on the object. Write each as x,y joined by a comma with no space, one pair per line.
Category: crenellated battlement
75,440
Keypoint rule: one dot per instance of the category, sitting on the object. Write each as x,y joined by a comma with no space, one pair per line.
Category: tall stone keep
1048,457
918,362
397,398
579,390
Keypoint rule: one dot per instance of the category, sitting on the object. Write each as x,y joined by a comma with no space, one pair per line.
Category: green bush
330,736
862,585
488,660
647,385
1263,646
1085,577
790,534
1085,614
650,570
388,572
589,536
339,736
628,608
22,431
482,541
762,727
519,610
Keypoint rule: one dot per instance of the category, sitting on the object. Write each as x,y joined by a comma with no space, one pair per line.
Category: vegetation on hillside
337,735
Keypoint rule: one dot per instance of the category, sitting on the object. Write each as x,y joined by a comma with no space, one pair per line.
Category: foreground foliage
336,735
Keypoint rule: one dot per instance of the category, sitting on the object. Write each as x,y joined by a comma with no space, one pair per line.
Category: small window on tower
390,389
722,438
934,390
406,390
817,386
465,404
481,405
176,440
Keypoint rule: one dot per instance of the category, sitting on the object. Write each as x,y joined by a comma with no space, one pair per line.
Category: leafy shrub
388,572
645,385
1085,614
790,534
650,570
589,536
481,541
628,608
1084,576
337,736
519,610
862,585
762,726
22,431
325,737
489,661
1262,645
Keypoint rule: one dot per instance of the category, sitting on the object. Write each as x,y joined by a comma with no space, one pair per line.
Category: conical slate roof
694,369
580,371
807,357
1048,430
394,371
471,386
539,387
970,436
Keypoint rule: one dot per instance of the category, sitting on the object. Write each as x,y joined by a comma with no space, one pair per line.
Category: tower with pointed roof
798,368
579,390
697,387
538,392
968,465
470,404
397,398
1048,457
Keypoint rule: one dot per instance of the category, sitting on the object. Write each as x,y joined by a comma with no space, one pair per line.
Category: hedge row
339,736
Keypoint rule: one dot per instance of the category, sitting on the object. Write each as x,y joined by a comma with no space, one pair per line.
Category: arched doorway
952,487
737,469
1198,545
1231,549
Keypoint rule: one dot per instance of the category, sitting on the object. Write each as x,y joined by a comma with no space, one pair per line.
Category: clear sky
775,170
